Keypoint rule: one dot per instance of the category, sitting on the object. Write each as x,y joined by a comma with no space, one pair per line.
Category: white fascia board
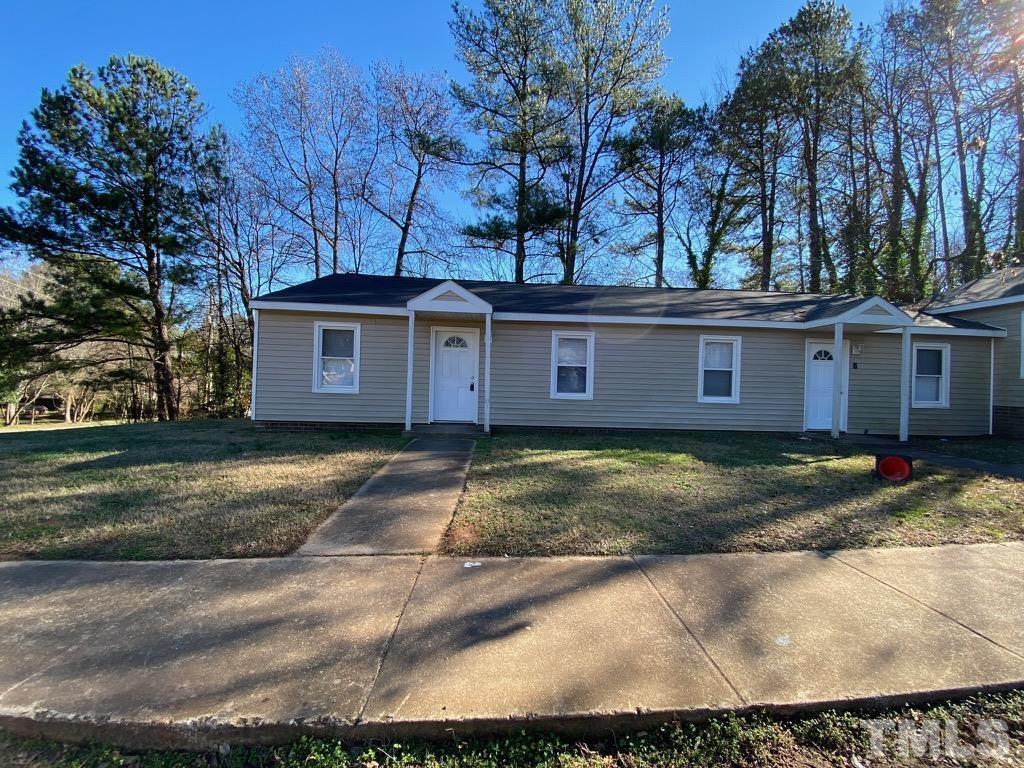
954,308
995,333
344,309
534,317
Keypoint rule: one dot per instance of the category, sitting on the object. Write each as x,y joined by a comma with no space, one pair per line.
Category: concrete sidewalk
195,654
404,508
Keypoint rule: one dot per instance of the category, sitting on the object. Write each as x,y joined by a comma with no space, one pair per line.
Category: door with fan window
818,384
456,362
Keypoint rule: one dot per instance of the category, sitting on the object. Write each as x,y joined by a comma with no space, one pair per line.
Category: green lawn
562,494
186,490
829,738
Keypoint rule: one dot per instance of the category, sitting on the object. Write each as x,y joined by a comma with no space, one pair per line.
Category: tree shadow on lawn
739,493
189,490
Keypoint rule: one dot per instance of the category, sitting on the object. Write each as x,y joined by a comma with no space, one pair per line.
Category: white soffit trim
432,301
954,308
346,309
857,314
927,330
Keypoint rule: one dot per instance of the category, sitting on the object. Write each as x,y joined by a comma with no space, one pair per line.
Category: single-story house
373,350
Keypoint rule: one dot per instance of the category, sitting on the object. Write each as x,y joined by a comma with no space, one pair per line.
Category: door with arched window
819,380
455,364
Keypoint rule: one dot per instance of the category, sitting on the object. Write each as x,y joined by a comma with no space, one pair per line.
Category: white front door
818,383
455,365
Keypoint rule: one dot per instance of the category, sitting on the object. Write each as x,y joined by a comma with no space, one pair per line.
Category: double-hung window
336,358
719,369
572,365
931,376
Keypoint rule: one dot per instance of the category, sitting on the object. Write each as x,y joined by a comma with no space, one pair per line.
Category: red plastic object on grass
895,469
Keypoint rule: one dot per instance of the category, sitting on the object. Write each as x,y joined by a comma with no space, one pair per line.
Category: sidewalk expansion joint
945,615
690,632
390,641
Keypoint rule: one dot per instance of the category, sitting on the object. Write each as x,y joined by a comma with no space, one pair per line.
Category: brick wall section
1008,421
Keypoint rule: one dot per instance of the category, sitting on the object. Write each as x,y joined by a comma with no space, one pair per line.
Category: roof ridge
667,289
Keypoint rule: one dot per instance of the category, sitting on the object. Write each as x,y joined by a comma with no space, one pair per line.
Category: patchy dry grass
185,490
1000,450
684,493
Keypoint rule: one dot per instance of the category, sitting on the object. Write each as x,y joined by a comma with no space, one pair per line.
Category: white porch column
410,349
487,372
838,369
905,356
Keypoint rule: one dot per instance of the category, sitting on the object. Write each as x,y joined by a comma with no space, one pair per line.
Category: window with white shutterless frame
572,365
931,376
718,367
336,358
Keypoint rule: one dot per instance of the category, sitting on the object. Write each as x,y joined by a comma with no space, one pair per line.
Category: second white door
818,384
455,367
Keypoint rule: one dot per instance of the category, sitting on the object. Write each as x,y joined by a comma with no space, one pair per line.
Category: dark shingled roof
923,319
375,290
1003,284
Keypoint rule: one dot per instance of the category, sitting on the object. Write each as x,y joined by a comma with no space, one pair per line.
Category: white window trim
318,336
943,382
737,342
555,394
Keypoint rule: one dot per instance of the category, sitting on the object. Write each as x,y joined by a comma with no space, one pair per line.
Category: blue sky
219,43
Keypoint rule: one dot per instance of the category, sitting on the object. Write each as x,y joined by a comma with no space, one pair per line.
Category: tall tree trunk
410,210
659,242
813,226
766,206
941,198
521,214
894,227
1017,253
967,267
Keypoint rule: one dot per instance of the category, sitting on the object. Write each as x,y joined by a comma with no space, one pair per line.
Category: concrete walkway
404,508
196,654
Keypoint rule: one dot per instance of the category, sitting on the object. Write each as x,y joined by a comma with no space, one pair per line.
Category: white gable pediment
449,296
872,311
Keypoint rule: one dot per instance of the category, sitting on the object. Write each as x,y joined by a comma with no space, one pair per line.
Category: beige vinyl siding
646,377
874,395
1009,384
284,370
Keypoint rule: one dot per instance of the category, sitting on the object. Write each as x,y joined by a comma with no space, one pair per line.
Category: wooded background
878,160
